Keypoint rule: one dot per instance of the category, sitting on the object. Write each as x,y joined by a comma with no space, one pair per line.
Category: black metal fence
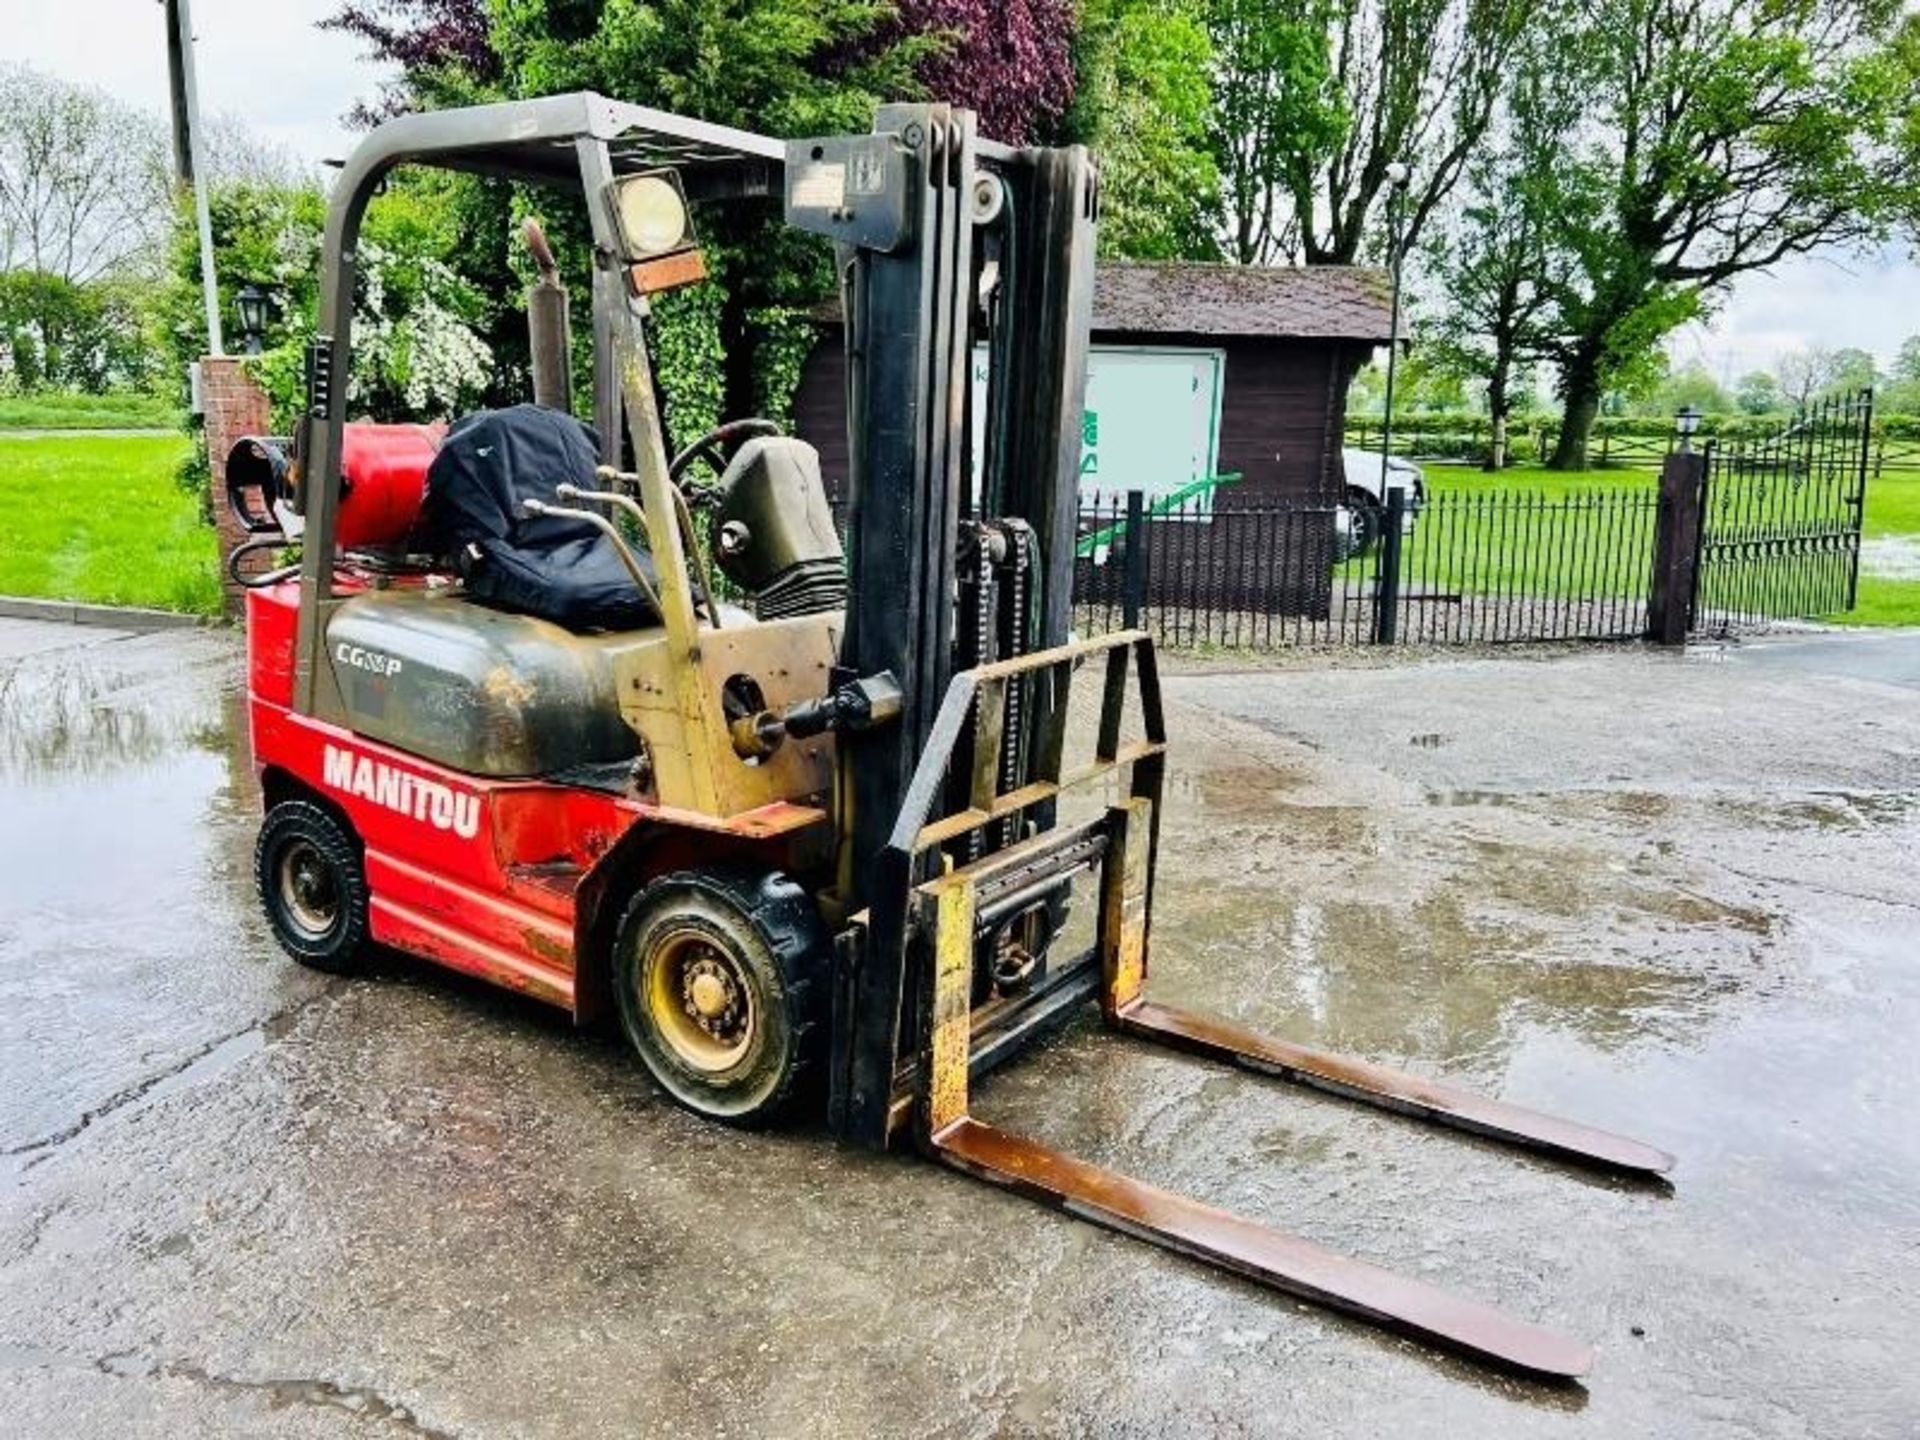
1476,565
1780,519
1746,533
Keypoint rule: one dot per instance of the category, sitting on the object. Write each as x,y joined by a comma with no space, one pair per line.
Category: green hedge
1456,436
64,410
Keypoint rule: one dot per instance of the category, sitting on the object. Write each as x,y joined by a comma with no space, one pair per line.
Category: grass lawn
1893,503
1528,532
1893,513
100,518
87,412
1883,602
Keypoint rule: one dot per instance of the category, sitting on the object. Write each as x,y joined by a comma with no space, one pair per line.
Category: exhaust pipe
548,328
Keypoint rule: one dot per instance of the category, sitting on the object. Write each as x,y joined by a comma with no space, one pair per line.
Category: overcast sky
263,61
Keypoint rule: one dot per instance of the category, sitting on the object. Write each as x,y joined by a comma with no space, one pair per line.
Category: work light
652,215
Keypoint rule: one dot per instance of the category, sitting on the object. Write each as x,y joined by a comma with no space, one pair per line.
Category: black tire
756,943
313,885
1369,523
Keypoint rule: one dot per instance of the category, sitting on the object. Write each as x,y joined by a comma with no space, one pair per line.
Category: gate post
1386,601
1676,547
1133,596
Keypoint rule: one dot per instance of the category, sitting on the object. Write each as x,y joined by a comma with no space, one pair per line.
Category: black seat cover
557,569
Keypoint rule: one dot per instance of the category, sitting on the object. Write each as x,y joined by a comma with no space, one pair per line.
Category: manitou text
405,794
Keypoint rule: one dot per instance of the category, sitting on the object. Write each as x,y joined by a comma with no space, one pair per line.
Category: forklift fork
947,912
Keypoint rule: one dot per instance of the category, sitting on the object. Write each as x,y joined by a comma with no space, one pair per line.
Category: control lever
607,528
688,540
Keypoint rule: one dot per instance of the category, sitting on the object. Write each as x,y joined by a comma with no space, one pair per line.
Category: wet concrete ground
1675,896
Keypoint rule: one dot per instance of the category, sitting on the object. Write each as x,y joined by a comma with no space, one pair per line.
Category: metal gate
1780,520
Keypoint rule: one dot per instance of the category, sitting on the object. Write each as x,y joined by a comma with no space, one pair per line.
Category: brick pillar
235,406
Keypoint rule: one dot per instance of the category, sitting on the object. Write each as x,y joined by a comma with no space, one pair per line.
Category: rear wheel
719,977
313,886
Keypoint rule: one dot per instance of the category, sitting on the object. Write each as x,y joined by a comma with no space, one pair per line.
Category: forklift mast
946,243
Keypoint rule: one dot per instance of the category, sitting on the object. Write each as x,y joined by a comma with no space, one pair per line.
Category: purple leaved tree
424,38
1009,60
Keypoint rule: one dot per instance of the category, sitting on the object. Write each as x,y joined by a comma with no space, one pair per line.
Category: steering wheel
718,438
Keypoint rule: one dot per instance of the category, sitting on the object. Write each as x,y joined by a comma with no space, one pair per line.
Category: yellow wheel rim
700,1000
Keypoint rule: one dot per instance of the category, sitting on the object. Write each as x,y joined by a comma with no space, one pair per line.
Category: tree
55,334
1692,385
1316,103
1500,263
1758,393
1906,365
441,46
1274,99
418,351
1806,374
83,179
1721,137
1142,103
1901,394
233,152
1853,370
1010,61
1490,324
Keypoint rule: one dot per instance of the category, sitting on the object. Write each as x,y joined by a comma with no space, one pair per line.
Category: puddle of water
198,1069
279,1394
126,910
1451,979
95,709
1891,557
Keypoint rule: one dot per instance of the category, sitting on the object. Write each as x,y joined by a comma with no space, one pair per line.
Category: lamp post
253,303
1397,176
1686,424
189,163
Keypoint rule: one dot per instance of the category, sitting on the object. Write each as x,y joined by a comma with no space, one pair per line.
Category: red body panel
477,874
441,849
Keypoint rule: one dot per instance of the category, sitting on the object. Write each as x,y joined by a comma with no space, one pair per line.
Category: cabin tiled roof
1317,302
1186,297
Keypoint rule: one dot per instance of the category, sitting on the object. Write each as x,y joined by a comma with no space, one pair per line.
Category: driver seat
547,566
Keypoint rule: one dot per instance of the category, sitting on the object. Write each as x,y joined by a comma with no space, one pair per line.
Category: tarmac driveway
1677,896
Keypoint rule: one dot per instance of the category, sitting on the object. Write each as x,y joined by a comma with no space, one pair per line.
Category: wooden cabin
1198,371
1282,343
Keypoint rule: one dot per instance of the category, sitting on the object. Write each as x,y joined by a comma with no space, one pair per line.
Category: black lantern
1686,424
256,307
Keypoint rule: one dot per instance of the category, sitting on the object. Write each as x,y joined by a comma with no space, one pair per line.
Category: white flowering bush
417,347
414,344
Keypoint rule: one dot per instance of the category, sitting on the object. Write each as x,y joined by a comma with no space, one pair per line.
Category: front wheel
719,976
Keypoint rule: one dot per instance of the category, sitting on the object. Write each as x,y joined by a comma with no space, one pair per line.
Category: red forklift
642,736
